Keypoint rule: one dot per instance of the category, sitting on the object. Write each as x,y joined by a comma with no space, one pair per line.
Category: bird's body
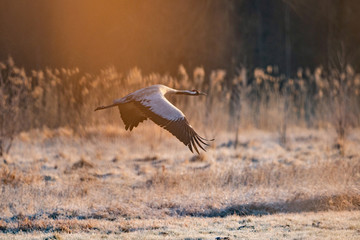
151,102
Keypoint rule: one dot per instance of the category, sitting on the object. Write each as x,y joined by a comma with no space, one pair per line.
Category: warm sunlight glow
179,119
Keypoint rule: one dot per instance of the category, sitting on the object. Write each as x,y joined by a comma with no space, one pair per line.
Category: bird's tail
108,106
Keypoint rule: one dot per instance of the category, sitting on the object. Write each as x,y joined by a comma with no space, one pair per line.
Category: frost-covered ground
321,225
115,184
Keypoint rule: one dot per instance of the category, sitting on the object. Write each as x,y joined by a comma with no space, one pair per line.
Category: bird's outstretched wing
166,115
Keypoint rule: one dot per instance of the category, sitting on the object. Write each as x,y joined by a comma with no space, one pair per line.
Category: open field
113,184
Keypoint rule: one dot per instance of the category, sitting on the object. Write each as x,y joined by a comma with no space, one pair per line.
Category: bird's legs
108,106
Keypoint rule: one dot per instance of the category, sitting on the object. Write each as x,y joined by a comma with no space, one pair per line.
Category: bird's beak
201,93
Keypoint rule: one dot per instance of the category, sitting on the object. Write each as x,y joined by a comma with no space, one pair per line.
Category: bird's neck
184,92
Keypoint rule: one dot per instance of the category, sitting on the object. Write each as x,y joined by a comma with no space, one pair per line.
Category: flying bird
151,102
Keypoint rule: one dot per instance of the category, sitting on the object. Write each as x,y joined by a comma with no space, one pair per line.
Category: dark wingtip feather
194,145
189,145
196,140
207,139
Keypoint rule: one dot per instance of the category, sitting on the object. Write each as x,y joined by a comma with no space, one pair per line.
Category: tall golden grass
67,97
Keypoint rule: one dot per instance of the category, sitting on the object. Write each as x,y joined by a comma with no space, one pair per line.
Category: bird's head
196,92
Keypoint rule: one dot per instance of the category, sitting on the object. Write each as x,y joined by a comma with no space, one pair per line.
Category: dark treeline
159,35
316,32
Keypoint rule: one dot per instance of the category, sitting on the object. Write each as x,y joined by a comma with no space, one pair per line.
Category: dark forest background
159,35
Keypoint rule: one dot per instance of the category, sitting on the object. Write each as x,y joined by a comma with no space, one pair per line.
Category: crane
151,102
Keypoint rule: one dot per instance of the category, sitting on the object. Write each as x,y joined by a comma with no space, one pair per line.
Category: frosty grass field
113,184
